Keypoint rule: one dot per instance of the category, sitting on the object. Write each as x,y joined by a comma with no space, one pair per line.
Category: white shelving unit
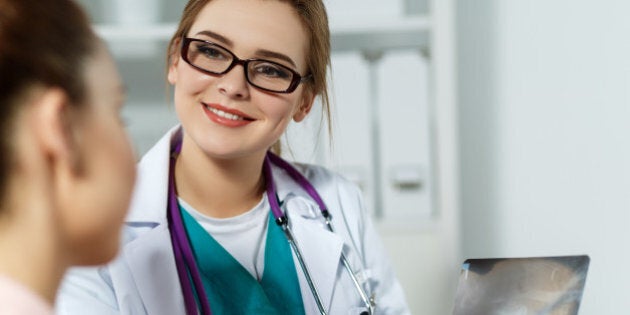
153,32
408,32
424,246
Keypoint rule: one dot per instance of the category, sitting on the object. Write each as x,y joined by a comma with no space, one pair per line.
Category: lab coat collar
151,190
286,186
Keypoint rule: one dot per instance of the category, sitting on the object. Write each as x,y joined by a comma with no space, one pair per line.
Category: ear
52,128
305,107
172,71
173,62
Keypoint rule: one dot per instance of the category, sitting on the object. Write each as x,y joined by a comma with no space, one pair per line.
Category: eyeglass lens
215,59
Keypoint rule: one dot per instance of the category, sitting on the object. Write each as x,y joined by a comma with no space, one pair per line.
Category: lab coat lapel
320,248
152,266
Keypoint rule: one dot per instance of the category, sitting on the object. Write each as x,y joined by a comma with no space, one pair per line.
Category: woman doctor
214,212
67,168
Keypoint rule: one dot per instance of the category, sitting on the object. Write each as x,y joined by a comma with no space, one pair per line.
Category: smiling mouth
226,115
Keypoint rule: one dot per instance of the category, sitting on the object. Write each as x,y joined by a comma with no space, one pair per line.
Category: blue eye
211,51
272,71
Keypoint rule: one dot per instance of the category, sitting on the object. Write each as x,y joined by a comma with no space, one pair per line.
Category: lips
225,116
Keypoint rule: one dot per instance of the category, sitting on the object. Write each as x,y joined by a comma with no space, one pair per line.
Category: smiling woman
221,224
66,171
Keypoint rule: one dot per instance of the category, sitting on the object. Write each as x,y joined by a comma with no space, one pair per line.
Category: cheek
188,92
278,107
117,168
188,81
103,194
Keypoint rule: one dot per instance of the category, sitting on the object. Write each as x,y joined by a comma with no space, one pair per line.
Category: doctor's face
98,195
224,115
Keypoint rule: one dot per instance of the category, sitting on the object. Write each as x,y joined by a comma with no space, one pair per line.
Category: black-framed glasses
214,59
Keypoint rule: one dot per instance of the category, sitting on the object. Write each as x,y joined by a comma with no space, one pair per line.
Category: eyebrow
273,54
216,36
259,52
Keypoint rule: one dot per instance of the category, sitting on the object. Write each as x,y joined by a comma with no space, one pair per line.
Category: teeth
223,114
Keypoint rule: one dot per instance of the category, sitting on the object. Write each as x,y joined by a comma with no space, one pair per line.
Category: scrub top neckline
242,222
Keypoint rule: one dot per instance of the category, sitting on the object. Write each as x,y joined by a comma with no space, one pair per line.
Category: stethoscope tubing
304,267
185,261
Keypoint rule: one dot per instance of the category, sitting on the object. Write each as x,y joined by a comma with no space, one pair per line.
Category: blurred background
484,128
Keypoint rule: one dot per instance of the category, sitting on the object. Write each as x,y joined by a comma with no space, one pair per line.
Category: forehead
255,24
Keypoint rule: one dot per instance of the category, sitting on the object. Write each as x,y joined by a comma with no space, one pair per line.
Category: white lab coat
143,278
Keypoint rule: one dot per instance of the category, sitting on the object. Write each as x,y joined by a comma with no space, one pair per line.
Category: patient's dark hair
43,43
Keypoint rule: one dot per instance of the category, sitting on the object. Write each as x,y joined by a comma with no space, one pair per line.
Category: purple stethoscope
187,270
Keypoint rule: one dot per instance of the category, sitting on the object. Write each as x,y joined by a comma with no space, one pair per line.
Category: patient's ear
52,127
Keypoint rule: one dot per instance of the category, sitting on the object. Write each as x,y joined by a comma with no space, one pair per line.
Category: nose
234,83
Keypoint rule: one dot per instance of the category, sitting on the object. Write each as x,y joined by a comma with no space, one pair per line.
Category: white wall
544,100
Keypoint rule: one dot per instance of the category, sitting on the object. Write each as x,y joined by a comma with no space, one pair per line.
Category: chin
100,258
229,151
96,254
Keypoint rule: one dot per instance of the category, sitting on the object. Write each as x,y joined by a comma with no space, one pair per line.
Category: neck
28,250
219,188
31,267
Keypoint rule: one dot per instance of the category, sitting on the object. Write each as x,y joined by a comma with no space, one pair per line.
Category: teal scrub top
231,289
